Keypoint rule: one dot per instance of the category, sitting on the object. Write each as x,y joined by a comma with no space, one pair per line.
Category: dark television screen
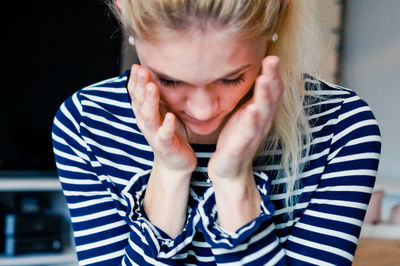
53,48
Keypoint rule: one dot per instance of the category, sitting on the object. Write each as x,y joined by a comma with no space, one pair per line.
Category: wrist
167,188
238,202
164,170
169,181
237,178
237,189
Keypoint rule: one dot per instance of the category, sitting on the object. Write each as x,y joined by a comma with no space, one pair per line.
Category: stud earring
275,37
131,40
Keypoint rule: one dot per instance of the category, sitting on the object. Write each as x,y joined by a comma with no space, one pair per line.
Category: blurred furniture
51,188
379,243
395,215
377,252
373,215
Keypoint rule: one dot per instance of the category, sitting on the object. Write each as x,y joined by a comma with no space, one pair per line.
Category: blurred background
362,40
54,50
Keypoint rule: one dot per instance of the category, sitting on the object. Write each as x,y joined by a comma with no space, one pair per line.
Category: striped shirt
104,163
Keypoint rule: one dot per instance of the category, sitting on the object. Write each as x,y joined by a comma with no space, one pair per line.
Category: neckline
203,147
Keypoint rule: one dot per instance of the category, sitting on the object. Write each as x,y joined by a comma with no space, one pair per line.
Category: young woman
217,148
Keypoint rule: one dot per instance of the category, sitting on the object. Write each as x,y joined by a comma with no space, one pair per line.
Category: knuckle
263,81
137,99
164,138
271,88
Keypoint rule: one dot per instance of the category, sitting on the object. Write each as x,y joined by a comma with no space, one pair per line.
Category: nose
202,104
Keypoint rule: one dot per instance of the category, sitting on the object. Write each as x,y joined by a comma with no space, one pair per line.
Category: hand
244,132
163,131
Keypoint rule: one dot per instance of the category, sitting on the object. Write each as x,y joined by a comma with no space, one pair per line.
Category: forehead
199,57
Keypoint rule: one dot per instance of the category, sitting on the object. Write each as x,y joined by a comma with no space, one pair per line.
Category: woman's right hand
164,132
174,159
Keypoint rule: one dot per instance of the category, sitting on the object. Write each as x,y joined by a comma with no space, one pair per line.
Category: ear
118,6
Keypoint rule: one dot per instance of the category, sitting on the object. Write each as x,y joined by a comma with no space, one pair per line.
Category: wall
329,18
371,67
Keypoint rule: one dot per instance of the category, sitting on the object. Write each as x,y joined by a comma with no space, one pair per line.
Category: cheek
171,98
235,96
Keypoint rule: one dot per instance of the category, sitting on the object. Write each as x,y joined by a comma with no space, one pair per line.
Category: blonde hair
290,131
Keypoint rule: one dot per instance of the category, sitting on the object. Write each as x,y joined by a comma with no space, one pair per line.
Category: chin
203,134
202,130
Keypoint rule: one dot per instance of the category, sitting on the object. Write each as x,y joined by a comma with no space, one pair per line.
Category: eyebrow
176,80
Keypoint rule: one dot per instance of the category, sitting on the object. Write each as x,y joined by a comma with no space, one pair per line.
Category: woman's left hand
244,132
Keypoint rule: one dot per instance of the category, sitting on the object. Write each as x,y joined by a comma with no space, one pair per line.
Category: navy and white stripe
104,163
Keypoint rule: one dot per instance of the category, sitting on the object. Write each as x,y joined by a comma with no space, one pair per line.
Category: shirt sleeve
110,226
255,242
148,242
100,232
327,232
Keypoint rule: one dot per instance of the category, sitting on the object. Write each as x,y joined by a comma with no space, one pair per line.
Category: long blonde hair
296,48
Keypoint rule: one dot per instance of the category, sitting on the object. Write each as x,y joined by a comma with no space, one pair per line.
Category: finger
166,131
138,79
266,102
250,122
256,127
271,70
250,129
132,81
150,112
269,86
262,92
180,128
142,77
270,65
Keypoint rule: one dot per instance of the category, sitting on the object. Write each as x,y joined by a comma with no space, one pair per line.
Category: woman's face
202,77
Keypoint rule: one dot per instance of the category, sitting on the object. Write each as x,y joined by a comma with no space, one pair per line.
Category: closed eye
233,82
174,83
167,82
171,82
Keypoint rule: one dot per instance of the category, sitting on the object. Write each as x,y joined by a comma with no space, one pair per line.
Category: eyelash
167,82
233,82
228,82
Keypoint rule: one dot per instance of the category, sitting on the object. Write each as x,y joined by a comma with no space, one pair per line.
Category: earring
131,40
275,37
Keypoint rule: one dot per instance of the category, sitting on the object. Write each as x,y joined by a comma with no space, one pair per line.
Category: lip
199,122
